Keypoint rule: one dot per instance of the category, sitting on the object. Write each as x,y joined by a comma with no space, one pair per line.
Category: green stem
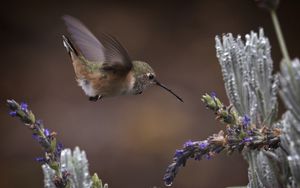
280,36
283,47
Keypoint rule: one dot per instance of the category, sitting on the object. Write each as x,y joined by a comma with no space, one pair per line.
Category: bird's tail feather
69,46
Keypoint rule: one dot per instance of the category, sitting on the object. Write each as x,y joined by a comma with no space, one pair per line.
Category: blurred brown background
129,140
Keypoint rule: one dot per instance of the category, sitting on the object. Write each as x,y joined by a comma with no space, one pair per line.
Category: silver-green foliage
76,164
247,72
252,88
290,93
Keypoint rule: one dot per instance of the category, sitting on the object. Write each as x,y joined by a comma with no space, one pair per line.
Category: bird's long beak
164,87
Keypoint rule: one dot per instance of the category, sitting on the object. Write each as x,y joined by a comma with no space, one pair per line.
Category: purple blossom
203,145
41,160
36,137
59,148
246,121
178,153
13,113
188,143
247,139
179,160
213,94
47,132
24,106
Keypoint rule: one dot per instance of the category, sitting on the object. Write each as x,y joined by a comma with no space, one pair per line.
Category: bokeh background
129,140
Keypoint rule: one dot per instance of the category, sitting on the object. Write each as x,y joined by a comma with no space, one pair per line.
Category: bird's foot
95,98
139,93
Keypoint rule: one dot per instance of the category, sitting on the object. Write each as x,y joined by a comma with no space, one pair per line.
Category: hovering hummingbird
103,67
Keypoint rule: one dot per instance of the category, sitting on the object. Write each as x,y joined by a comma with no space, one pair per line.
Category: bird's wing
106,50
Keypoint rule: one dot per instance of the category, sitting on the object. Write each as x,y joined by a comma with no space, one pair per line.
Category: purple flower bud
12,113
47,132
178,153
24,106
59,148
188,144
213,94
41,160
246,121
36,137
247,139
203,145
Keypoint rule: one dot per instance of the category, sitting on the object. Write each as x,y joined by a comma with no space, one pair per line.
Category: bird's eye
150,76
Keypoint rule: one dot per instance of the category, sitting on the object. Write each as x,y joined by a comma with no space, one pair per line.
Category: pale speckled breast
102,83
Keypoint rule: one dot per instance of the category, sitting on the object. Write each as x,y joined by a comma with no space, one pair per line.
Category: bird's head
146,77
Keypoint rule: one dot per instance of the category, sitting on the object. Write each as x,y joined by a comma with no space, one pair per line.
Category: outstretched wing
107,50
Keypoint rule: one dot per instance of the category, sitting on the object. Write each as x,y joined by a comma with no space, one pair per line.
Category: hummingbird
102,65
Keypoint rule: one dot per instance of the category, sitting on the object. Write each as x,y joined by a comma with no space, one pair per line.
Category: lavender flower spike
239,136
62,168
46,139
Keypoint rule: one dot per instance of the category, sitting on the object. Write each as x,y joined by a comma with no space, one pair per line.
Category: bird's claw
95,98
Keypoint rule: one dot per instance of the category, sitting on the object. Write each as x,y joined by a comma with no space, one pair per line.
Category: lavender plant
271,148
62,168
290,93
241,135
251,126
